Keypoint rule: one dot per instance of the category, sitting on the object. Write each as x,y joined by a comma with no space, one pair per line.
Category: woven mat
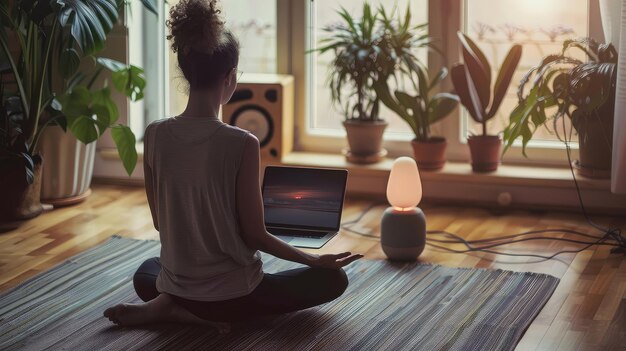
387,306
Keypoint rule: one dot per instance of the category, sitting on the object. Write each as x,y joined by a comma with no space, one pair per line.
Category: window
498,23
276,38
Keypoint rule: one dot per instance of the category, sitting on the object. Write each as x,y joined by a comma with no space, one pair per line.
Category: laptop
303,206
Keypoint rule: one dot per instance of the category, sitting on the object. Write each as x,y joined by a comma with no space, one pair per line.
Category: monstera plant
473,83
47,46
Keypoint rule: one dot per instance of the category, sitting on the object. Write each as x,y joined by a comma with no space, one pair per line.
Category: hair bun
195,24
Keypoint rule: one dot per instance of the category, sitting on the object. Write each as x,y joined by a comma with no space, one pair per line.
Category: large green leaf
460,81
90,21
478,68
504,78
125,142
440,106
127,79
101,100
88,114
84,128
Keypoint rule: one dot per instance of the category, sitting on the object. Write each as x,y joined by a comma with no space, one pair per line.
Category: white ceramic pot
69,166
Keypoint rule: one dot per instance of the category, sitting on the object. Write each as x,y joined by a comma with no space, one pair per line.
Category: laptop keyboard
298,233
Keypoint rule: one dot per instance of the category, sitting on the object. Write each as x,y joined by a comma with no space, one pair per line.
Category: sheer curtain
618,174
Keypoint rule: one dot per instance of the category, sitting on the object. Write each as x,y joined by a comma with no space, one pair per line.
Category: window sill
511,186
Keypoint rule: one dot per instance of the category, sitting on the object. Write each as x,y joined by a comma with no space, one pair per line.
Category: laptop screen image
304,198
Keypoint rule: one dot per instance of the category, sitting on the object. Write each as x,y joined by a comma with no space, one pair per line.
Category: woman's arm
251,217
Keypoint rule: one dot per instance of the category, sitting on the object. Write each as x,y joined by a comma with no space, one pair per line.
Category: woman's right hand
334,261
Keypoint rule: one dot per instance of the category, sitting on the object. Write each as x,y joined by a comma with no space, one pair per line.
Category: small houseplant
472,82
584,91
424,108
420,112
366,51
53,38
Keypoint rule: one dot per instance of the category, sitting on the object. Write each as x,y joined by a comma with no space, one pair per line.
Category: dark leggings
282,292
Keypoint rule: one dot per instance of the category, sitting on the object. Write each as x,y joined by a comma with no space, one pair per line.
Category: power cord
609,234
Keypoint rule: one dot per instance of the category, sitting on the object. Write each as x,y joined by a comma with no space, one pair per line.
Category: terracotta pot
485,150
595,139
20,200
430,154
365,140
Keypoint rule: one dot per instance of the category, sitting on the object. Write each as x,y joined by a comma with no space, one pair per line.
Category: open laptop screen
307,198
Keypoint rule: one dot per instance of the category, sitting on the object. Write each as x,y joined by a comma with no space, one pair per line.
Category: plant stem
16,74
40,84
484,128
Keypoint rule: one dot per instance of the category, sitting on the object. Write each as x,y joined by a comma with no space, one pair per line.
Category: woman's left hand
334,261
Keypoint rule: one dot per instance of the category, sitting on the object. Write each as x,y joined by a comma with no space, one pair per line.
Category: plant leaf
507,70
150,5
90,21
478,68
85,129
460,81
69,62
441,75
125,142
440,106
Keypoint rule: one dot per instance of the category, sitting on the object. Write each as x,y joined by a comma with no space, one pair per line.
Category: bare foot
161,309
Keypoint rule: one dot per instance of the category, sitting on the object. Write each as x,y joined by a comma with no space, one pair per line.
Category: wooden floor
587,311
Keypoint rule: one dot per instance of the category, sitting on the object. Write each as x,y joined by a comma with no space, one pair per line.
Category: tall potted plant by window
562,86
367,51
472,82
358,46
53,37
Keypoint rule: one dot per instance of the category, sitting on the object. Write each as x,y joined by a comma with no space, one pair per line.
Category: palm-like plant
369,50
357,45
564,86
53,38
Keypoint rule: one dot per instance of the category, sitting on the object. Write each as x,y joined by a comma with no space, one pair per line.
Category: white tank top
194,162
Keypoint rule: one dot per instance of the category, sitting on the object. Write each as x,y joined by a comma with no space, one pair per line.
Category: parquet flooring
587,311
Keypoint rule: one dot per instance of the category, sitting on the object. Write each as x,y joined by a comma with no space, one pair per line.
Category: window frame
446,17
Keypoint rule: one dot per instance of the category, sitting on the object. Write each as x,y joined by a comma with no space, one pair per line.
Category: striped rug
387,306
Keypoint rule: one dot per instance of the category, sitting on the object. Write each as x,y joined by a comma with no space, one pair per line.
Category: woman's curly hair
195,24
206,50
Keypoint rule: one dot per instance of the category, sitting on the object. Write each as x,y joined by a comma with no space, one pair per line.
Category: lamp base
403,234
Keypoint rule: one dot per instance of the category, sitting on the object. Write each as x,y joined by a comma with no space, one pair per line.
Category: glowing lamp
403,225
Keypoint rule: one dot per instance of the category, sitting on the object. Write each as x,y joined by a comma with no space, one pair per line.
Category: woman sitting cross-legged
202,183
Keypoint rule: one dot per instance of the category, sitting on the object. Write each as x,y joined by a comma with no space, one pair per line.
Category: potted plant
20,172
420,112
472,82
366,51
53,39
583,91
424,108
